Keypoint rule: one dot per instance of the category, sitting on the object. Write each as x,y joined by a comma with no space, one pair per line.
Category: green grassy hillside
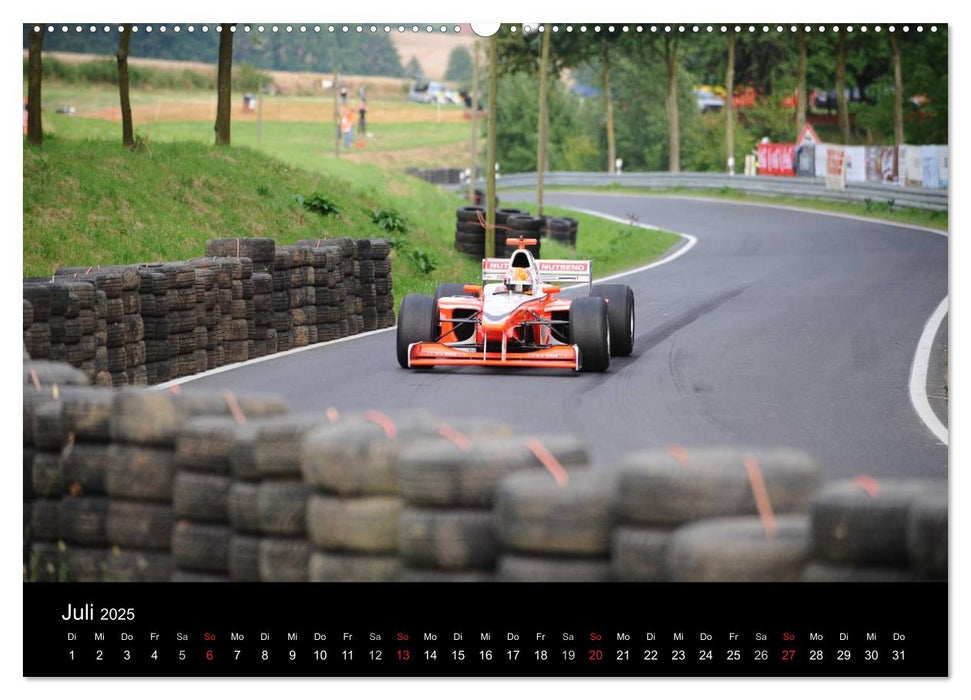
91,202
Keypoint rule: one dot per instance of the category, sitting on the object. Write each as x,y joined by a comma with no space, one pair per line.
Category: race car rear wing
550,271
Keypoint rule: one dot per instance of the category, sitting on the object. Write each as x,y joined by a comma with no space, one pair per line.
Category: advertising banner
777,158
855,164
888,171
942,159
931,166
911,166
835,168
821,150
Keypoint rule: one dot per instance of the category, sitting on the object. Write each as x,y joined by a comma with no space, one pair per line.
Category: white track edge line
715,200
919,370
265,358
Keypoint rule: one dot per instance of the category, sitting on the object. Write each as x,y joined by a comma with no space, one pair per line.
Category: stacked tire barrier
268,500
37,314
469,232
329,292
561,229
151,323
182,321
65,320
690,515
352,281
520,225
510,223
146,425
53,470
141,485
556,530
354,506
887,530
124,327
447,530
153,297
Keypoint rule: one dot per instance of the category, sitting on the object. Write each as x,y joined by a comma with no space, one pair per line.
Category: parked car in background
708,101
427,93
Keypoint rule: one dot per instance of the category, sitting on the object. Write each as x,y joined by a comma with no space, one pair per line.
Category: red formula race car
518,319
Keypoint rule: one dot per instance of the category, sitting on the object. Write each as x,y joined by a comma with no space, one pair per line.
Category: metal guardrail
766,185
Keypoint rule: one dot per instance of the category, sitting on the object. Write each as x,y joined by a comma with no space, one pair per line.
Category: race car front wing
435,354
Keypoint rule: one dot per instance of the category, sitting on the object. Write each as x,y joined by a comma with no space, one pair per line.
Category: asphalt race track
778,327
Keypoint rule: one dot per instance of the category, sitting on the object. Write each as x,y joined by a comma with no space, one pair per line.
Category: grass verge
91,202
878,210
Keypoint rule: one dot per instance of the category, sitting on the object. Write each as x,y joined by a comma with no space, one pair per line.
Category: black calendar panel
365,630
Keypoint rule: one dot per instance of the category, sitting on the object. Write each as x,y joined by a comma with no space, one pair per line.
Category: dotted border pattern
513,28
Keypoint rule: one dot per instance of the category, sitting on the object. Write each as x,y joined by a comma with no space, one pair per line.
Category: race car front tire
620,311
589,330
450,289
417,322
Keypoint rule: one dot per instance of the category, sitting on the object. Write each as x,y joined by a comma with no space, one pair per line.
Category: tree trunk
729,106
609,107
898,92
474,170
224,85
35,42
842,110
801,96
671,102
124,38
544,66
490,232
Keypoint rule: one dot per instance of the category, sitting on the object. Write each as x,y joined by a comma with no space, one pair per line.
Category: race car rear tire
589,330
417,322
620,311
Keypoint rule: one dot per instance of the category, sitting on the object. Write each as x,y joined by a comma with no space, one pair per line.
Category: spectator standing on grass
362,113
343,93
347,126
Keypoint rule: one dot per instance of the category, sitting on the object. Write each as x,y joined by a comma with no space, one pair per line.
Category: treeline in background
352,53
644,69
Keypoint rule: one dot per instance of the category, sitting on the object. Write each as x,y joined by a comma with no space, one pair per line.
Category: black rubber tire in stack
469,232
268,501
37,336
70,432
73,325
661,490
865,534
330,287
142,470
352,280
383,282
324,261
553,531
302,295
561,229
44,384
152,294
368,290
353,509
447,524
520,225
282,322
240,319
265,333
